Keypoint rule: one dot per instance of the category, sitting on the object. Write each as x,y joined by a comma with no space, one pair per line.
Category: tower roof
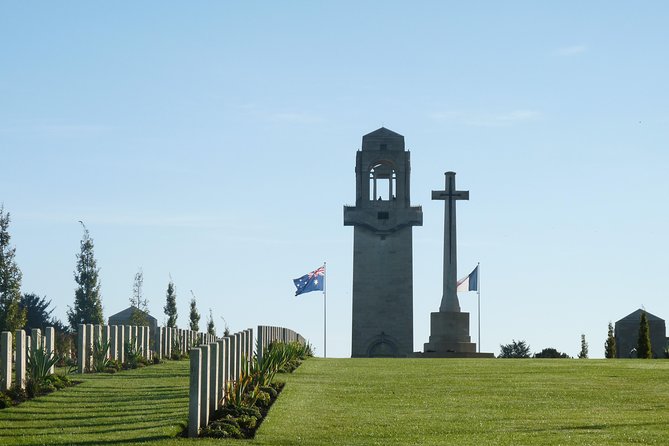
383,139
636,317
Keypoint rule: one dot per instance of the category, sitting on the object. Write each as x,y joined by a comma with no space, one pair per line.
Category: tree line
520,349
28,310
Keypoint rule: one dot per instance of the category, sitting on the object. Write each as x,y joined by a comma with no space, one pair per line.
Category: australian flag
314,281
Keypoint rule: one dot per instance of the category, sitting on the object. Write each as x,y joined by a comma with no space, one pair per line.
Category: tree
38,314
643,349
170,307
11,316
139,305
550,353
87,300
194,315
517,349
211,328
610,344
583,354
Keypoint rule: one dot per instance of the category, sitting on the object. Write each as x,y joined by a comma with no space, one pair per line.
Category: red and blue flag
314,281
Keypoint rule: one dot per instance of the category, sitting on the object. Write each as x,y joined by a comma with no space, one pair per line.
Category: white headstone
194,393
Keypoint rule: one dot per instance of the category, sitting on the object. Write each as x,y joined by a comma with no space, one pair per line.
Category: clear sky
215,142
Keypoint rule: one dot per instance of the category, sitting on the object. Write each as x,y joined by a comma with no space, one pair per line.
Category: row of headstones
117,336
214,365
24,344
268,334
170,340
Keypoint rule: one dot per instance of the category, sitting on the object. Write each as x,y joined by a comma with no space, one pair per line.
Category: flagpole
478,292
325,312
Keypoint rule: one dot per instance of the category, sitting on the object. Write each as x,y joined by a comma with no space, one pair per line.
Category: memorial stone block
204,385
194,392
6,347
21,356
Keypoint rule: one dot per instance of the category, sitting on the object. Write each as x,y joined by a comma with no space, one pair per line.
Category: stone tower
382,249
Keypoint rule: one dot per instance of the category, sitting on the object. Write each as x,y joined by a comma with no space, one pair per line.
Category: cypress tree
643,349
584,348
194,315
170,307
87,300
211,328
12,316
140,306
610,345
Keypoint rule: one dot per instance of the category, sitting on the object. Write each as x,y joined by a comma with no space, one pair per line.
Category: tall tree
610,344
643,349
138,303
194,316
87,299
211,327
170,307
583,354
11,316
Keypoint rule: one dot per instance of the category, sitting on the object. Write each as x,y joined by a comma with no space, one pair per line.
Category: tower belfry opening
382,181
382,319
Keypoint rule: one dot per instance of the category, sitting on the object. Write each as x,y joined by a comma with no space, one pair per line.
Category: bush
517,349
5,401
550,353
223,428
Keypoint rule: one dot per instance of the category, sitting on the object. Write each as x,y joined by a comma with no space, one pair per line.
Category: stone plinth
449,332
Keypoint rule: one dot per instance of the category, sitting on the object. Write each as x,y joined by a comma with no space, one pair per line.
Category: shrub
5,401
550,353
223,428
38,368
517,349
101,362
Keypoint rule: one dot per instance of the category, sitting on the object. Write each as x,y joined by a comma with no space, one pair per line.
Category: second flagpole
325,312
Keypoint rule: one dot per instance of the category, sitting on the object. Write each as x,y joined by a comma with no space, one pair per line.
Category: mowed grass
376,402
472,402
132,406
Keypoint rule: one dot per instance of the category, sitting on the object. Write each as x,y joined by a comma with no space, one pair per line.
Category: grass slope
129,407
376,402
472,402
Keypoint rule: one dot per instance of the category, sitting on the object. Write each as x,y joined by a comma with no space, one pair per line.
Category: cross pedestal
449,328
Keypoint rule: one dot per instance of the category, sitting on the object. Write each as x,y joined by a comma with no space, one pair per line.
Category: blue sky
215,142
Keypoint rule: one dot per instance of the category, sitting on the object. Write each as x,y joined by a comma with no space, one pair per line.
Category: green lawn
377,402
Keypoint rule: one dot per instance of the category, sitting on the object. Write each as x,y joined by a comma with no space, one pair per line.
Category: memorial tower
382,322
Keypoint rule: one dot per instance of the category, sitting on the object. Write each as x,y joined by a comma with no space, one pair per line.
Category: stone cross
449,300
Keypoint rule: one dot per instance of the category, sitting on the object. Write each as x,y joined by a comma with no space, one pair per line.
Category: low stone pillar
21,354
168,342
6,348
204,385
127,329
250,346
36,339
194,392
106,341
120,353
214,372
89,347
113,342
50,346
97,334
221,374
147,344
238,354
140,341
82,352
261,342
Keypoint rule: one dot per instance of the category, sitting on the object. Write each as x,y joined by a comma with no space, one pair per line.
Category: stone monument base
452,355
449,337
